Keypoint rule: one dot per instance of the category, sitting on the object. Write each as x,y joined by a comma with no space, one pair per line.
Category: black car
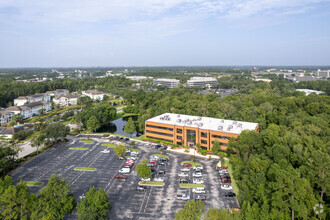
116,138
230,194
184,181
225,176
141,188
163,159
153,169
157,146
162,164
160,171
201,197
163,147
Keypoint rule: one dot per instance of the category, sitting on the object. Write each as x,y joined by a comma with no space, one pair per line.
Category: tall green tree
38,140
55,200
221,214
216,148
130,126
7,158
143,170
56,131
93,123
191,211
120,150
94,206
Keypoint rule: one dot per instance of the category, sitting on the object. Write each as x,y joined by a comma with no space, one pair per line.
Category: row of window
159,127
159,133
220,137
204,135
163,139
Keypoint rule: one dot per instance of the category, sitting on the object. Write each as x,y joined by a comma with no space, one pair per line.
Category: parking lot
126,202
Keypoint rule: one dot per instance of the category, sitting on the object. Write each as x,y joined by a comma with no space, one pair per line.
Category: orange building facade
192,130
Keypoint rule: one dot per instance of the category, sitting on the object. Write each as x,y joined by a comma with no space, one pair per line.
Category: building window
159,127
204,141
163,139
204,134
220,137
204,148
179,137
191,136
179,131
159,133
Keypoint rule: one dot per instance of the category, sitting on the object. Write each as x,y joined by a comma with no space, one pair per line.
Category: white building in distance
38,97
171,83
93,94
138,78
323,73
202,82
66,100
309,91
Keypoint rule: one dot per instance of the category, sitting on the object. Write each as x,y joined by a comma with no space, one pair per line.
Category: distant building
93,94
309,91
5,116
57,92
296,79
137,78
171,83
30,109
323,73
38,97
255,69
66,100
263,80
8,132
202,82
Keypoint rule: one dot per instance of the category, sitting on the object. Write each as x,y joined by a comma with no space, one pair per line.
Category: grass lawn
84,168
87,141
230,170
109,145
32,183
132,149
150,183
78,148
129,115
160,155
192,163
188,185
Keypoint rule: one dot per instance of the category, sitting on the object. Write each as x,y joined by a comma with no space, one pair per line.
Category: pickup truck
183,197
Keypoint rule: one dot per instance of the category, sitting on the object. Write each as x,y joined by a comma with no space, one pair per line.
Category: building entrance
191,138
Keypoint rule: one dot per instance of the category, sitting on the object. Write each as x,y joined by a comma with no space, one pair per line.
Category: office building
171,83
193,130
202,82
323,73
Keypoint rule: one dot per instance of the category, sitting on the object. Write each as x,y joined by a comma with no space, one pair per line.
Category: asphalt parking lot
126,203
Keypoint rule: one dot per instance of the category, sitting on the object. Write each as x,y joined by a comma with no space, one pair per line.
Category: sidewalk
26,149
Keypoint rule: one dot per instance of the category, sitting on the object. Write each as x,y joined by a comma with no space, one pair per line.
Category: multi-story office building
171,83
323,73
202,82
193,130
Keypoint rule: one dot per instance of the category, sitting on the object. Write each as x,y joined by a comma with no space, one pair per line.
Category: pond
117,127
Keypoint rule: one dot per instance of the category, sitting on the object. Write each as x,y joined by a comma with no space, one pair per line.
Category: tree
216,148
18,117
16,202
12,123
56,131
38,140
55,200
7,158
130,126
143,170
120,150
192,211
93,123
221,214
84,100
94,206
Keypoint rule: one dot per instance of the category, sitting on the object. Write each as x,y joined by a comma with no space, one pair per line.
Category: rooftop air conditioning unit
222,121
178,116
230,126
220,128
189,123
179,120
199,118
239,125
234,122
228,129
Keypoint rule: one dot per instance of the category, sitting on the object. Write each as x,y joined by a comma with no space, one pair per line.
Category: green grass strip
188,185
160,155
78,148
87,141
32,183
84,168
192,163
233,181
132,149
109,145
150,183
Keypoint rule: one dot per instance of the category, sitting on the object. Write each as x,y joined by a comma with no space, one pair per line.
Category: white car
125,170
105,151
145,179
198,181
198,190
155,157
159,179
185,169
198,168
183,174
197,174
223,171
226,187
134,153
131,158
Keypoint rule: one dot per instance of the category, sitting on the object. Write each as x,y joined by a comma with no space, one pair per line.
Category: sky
105,33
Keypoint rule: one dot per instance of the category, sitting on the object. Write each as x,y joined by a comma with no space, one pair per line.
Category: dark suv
184,181
230,194
141,188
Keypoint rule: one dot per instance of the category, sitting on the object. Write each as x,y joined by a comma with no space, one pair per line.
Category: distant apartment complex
66,100
297,79
171,83
309,91
38,97
192,130
93,94
138,78
58,92
323,73
202,82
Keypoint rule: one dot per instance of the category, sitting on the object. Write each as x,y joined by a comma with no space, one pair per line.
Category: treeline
53,202
281,171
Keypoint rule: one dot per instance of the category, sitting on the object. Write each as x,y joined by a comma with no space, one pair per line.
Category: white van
199,190
125,170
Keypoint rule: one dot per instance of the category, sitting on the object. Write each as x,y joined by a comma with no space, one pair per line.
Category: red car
187,165
223,180
222,168
120,158
129,164
152,161
121,177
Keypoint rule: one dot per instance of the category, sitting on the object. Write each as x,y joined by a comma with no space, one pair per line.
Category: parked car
230,194
116,138
183,197
162,164
163,159
222,168
198,168
105,151
155,157
134,153
152,161
132,158
121,177
159,179
125,170
183,174
200,197
184,181
160,171
141,188
198,190
145,179
151,164
223,171
163,147
126,139
226,187
197,174
129,164
198,181
157,146
224,180
187,165
185,169
120,158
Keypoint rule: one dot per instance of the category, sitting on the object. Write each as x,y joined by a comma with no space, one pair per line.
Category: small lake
117,127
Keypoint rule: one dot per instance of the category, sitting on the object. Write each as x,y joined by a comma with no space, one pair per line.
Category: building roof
13,130
167,80
35,104
93,92
309,91
202,79
205,123
22,98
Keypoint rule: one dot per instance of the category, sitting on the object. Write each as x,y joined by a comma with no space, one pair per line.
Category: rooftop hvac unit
199,118
178,116
222,121
189,123
239,125
234,122
179,120
161,118
220,128
228,129
194,119
230,126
